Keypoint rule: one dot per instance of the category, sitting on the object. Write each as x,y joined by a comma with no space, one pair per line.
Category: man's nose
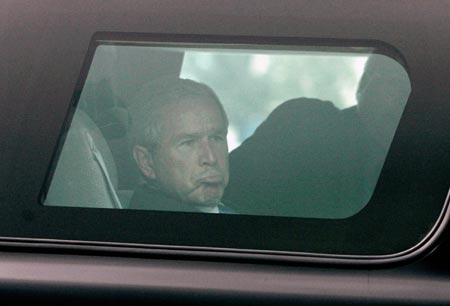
207,154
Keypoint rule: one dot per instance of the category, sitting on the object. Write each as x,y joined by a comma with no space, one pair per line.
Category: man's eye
186,142
218,138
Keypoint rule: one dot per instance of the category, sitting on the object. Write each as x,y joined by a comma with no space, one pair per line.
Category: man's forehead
189,115
201,105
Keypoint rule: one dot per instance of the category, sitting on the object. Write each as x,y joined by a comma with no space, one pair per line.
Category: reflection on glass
300,133
267,80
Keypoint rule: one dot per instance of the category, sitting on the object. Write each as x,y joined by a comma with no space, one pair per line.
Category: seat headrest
79,179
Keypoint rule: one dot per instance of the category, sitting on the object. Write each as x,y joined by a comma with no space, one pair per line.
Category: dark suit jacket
307,159
148,198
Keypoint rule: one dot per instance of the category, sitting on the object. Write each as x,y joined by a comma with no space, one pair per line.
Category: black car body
43,49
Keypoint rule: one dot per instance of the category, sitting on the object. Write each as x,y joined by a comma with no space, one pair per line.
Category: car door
73,67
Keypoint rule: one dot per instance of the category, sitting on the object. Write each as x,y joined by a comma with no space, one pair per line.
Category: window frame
82,231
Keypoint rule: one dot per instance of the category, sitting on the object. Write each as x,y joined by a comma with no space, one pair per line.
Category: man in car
179,130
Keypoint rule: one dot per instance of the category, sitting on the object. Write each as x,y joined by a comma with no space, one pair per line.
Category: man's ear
144,161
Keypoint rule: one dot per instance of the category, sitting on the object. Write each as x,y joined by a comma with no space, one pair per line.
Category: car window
305,130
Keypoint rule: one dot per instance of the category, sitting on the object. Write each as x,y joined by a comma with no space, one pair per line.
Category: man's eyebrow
188,135
223,131
198,135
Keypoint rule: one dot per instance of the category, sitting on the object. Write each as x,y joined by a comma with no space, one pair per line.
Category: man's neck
202,208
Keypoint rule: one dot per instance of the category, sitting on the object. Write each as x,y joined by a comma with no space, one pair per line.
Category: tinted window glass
278,131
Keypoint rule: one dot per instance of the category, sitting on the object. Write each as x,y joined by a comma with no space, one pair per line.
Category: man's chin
209,201
210,194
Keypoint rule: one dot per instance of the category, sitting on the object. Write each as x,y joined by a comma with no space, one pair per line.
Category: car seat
86,173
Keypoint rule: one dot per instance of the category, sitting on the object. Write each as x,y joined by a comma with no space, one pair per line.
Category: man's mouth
211,179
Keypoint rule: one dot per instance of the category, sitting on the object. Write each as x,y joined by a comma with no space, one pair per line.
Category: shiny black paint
31,35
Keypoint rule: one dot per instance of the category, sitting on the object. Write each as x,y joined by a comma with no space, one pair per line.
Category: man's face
191,161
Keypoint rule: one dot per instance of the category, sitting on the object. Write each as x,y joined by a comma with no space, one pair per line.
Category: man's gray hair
146,109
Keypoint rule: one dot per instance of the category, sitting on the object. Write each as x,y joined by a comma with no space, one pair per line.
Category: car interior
96,136
97,146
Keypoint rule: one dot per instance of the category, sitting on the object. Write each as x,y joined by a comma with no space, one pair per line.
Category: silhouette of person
311,159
